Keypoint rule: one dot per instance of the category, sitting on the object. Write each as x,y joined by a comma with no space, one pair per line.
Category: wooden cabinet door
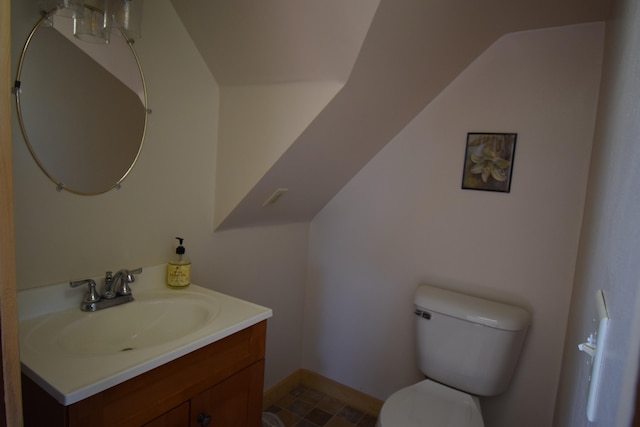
178,417
235,402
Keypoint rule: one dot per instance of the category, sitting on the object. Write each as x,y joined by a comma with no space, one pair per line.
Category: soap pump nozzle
180,249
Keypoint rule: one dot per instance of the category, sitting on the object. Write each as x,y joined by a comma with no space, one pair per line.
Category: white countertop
70,377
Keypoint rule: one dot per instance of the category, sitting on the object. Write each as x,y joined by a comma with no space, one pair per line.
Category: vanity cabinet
176,417
219,385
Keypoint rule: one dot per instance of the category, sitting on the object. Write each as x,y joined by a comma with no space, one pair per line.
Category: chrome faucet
111,281
116,290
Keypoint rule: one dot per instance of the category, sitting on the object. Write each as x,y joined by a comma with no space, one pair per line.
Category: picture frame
488,161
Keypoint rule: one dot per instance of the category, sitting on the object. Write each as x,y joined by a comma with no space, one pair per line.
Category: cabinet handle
204,419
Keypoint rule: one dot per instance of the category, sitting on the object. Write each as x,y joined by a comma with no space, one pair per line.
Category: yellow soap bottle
179,268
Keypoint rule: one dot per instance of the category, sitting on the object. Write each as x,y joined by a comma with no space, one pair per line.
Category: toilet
467,347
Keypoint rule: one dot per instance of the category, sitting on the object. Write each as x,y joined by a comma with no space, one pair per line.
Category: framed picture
488,161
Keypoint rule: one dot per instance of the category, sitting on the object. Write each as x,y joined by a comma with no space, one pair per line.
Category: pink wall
610,241
403,220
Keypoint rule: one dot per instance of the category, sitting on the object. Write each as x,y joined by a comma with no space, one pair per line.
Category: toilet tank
469,343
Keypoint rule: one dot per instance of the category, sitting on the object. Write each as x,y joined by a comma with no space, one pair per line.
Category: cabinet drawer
236,401
178,417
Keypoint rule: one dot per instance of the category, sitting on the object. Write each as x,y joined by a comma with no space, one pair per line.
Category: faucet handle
91,296
125,289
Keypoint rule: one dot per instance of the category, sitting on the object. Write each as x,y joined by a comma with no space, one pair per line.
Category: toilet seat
430,404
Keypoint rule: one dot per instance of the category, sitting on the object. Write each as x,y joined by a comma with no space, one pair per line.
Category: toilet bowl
429,404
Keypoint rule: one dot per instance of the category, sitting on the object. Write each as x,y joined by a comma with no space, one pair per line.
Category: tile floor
305,407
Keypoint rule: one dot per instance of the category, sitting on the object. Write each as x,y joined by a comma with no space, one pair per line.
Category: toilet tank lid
473,309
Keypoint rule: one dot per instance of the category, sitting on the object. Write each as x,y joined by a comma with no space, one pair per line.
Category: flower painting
488,161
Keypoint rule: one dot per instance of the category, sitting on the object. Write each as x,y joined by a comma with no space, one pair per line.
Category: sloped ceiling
413,49
249,42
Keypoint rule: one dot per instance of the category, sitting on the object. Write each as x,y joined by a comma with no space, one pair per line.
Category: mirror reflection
82,107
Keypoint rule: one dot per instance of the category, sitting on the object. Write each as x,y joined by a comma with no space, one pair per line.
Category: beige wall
258,123
610,240
403,220
61,236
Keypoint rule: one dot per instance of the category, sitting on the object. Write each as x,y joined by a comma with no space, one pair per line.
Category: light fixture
127,16
94,26
66,8
93,20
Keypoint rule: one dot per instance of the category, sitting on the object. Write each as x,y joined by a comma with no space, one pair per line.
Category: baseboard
348,395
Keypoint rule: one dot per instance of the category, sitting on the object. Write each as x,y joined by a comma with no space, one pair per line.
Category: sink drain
127,349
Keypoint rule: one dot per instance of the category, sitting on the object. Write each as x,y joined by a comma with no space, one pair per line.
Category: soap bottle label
178,275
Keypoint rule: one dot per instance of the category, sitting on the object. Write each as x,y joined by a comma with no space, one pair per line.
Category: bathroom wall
610,241
258,123
170,192
403,220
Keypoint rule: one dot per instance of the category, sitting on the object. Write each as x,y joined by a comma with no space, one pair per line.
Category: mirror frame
16,90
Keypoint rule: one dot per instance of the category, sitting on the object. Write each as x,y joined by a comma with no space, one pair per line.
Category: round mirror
82,107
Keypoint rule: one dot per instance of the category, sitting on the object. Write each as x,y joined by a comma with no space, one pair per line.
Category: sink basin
74,354
153,318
